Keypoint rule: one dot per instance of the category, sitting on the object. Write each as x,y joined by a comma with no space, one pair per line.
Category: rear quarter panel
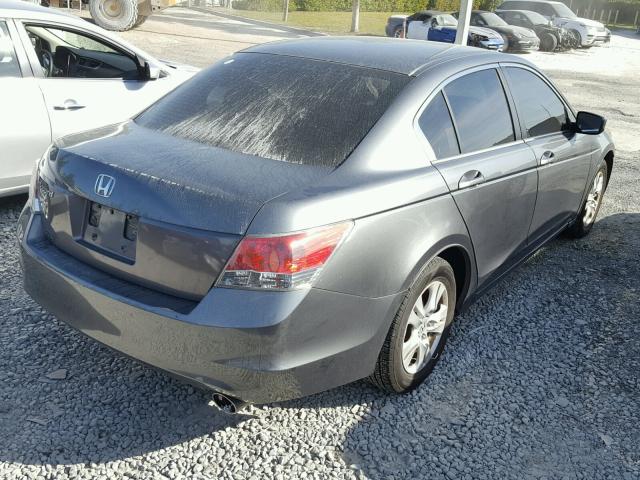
402,209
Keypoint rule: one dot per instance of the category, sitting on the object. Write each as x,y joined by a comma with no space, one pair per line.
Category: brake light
282,262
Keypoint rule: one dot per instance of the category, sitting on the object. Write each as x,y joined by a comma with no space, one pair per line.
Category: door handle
69,104
547,158
471,178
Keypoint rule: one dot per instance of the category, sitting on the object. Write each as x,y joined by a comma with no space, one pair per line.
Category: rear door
563,157
440,31
490,171
92,82
24,125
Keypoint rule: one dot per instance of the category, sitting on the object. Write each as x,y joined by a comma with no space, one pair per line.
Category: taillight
282,262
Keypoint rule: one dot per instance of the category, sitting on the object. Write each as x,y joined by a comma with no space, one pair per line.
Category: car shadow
65,399
522,387
91,416
539,378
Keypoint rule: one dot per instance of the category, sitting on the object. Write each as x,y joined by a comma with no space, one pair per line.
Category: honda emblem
104,185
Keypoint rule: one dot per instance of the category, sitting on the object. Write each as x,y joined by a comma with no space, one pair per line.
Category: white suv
587,32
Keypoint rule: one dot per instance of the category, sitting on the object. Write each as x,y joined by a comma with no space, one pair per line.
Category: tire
141,19
392,373
114,15
576,39
590,208
548,42
505,39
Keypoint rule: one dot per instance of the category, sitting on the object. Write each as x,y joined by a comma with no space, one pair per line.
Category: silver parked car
60,74
307,213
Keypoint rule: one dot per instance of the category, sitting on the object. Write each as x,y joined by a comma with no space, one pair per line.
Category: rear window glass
437,126
283,108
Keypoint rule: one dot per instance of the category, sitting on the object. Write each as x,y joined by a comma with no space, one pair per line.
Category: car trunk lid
179,181
174,212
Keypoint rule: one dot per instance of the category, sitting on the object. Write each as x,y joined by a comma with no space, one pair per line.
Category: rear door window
278,107
8,62
539,108
480,110
435,122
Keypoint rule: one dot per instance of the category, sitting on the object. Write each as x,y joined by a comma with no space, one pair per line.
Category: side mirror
590,123
152,73
146,71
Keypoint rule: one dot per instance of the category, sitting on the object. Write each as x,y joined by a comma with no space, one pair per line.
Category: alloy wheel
593,199
424,328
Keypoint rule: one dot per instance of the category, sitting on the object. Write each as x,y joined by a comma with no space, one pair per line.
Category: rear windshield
283,108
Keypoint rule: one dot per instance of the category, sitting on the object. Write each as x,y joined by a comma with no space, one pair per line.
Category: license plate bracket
111,232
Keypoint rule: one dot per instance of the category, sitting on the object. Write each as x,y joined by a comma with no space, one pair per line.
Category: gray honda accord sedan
311,212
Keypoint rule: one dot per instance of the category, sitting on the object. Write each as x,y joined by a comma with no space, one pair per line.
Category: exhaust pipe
228,404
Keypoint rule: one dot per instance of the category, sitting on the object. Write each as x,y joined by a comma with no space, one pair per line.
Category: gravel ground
540,379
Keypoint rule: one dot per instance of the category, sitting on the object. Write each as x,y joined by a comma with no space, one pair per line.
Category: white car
587,32
59,75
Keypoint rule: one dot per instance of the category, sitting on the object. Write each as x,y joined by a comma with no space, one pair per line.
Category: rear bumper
257,346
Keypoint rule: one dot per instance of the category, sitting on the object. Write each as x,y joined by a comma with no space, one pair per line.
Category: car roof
397,55
429,12
521,11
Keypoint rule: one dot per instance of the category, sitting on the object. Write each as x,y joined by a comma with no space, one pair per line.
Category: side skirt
516,261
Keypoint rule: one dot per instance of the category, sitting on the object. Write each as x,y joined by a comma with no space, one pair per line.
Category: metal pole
462,33
615,22
285,13
635,21
609,18
355,16
601,15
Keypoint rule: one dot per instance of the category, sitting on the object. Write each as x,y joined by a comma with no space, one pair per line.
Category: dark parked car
585,32
310,212
515,38
551,37
395,26
440,27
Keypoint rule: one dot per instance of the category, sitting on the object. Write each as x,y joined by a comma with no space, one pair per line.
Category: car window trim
454,124
21,57
440,88
563,100
35,63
